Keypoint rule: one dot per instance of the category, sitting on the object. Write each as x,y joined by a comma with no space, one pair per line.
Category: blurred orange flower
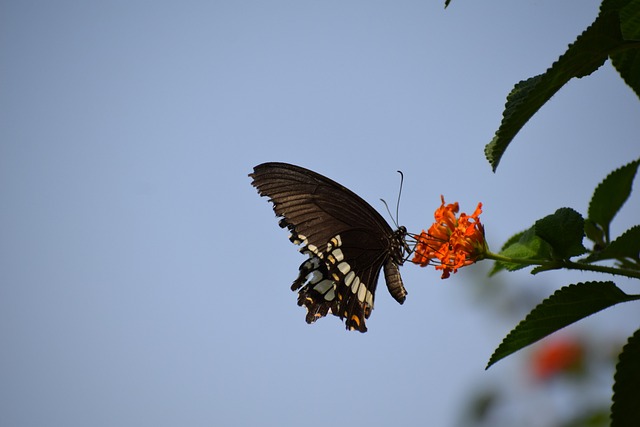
453,242
556,356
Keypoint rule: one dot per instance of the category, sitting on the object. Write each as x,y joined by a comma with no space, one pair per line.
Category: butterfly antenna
399,194
396,218
389,211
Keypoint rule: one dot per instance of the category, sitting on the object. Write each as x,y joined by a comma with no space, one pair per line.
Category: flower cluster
453,242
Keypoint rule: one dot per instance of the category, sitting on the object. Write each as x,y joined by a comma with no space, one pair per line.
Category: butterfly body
347,241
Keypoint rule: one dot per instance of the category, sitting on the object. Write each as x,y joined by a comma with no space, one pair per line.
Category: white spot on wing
355,285
324,286
330,295
349,277
344,268
369,298
337,253
316,276
362,292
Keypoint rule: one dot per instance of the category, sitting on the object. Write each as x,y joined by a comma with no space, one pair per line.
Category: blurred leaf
564,307
590,50
563,231
625,410
524,245
598,417
498,265
610,195
627,60
625,246
481,405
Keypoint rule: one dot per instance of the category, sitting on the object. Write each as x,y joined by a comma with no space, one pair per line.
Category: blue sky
144,282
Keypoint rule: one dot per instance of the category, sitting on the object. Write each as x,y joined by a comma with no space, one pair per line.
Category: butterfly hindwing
340,279
318,294
347,242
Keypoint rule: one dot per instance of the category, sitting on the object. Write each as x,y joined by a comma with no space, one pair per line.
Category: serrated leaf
625,410
546,267
611,194
513,239
584,56
499,265
627,60
594,233
613,5
627,245
563,231
524,245
564,307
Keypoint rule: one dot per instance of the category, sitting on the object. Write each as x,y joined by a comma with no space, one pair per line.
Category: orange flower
453,242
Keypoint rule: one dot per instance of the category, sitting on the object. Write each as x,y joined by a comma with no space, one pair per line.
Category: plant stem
569,265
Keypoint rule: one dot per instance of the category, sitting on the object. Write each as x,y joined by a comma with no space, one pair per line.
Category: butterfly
346,240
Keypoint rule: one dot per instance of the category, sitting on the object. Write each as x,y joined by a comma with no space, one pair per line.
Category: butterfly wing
347,241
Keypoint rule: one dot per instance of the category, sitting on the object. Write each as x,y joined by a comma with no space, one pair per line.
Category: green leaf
591,417
546,267
625,410
524,245
610,195
613,5
564,307
563,231
499,265
627,59
513,239
594,233
590,50
625,246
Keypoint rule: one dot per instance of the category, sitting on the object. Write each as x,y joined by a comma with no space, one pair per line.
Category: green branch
569,265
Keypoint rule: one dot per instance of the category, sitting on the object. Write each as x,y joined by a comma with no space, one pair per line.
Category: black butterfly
347,241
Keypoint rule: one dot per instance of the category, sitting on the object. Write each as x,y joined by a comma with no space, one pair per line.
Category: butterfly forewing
347,242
